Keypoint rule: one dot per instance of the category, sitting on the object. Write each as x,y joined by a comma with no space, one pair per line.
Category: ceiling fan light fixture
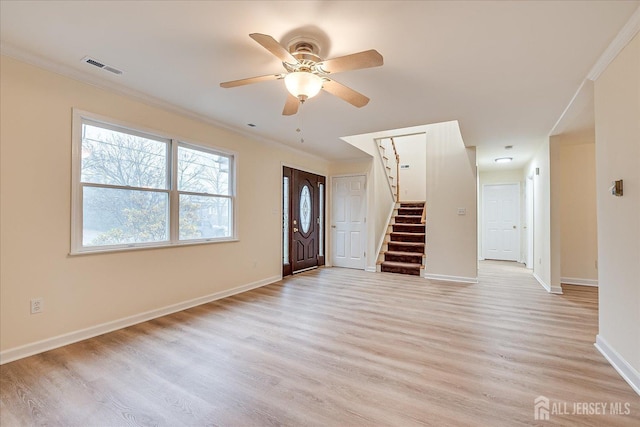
303,84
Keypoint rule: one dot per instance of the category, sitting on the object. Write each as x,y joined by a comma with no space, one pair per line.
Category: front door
303,225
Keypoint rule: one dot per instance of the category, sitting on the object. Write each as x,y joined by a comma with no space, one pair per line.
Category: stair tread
400,253
406,233
401,264
407,243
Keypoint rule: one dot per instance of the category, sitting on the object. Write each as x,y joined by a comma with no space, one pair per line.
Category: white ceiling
505,70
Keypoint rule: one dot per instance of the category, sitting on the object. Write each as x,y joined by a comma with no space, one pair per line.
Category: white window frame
79,118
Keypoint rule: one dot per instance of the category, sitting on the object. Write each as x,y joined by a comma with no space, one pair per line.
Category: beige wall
578,224
350,168
542,227
85,291
513,176
617,110
555,197
452,245
381,203
412,151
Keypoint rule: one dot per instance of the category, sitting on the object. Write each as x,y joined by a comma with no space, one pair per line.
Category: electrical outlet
36,305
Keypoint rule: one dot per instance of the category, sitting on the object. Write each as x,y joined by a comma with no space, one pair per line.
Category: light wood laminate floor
336,347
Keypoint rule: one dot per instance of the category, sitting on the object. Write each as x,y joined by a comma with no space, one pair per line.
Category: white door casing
348,228
501,222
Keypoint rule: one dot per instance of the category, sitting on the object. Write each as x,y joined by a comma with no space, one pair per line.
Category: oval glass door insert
305,209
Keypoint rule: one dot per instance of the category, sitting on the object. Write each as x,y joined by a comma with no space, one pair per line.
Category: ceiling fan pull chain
301,122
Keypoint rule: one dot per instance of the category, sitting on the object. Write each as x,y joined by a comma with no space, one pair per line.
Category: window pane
285,220
202,172
117,158
321,221
204,217
114,216
305,209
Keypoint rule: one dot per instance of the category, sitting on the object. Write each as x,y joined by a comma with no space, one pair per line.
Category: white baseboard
578,281
371,269
550,289
450,278
626,371
23,351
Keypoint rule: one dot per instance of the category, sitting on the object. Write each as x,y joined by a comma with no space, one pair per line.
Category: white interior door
348,228
501,218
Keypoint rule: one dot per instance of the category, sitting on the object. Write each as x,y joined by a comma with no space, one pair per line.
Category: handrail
423,220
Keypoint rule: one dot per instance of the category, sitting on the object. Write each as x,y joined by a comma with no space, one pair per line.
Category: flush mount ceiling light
303,84
503,159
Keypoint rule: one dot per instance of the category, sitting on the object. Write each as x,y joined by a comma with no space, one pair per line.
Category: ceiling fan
306,73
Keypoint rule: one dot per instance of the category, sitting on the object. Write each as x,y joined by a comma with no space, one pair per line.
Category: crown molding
14,52
626,34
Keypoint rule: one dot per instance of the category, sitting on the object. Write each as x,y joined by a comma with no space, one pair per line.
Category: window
134,189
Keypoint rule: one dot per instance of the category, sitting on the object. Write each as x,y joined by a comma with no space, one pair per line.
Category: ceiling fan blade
250,80
343,92
291,105
355,61
274,47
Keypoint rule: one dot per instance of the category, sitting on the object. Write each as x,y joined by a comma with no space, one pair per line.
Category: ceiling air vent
96,63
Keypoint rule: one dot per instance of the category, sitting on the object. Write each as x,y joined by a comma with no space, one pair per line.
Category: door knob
514,227
295,230
333,226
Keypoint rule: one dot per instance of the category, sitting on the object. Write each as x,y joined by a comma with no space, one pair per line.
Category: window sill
150,246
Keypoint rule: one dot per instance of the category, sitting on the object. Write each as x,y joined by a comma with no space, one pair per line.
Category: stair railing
397,169
391,163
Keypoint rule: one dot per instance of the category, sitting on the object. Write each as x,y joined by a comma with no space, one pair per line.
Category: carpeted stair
407,239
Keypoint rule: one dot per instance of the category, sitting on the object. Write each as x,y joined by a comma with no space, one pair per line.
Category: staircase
405,247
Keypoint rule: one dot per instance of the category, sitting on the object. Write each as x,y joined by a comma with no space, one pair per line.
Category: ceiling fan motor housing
306,51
